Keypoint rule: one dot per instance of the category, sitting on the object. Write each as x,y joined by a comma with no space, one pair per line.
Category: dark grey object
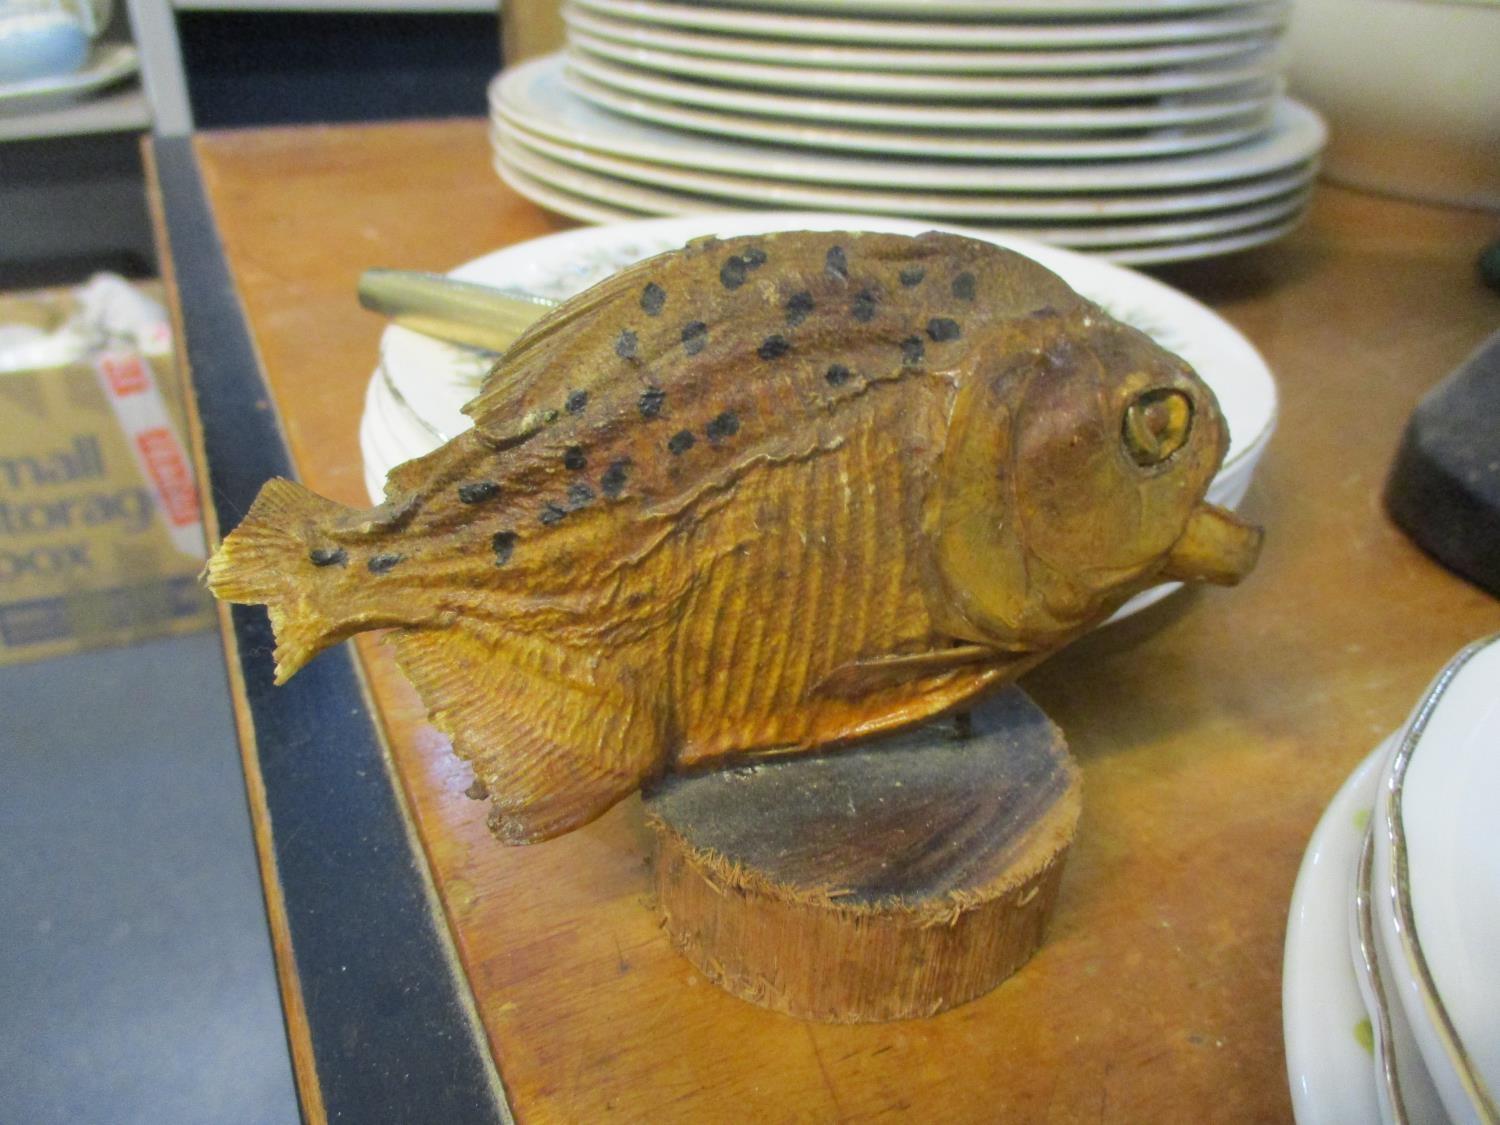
1444,488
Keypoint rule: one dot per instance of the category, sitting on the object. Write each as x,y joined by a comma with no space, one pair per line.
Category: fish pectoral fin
861,677
555,738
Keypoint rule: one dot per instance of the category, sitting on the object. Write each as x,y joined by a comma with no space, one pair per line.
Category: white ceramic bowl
1437,880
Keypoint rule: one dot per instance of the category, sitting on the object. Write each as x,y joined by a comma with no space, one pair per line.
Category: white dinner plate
1248,100
827,137
563,202
993,205
1193,249
928,60
1327,1030
999,9
1099,233
1036,30
1155,254
994,89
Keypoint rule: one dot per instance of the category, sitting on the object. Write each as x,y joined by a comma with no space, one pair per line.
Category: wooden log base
887,881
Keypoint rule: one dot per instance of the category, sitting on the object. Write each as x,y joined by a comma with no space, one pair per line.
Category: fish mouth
1216,546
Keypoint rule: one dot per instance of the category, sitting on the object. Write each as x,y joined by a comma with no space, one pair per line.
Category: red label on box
126,374
169,471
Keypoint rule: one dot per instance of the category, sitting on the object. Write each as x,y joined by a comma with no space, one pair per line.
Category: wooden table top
1211,730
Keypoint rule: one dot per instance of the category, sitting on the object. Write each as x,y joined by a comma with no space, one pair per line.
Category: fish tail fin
259,562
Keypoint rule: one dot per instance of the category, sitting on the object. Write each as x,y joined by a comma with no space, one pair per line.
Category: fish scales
769,408
755,496
879,608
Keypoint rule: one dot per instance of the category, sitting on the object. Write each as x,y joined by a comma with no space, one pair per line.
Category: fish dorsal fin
498,409
411,477
861,677
555,739
825,309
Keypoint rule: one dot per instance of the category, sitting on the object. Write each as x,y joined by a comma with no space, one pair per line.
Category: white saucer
1035,30
837,136
993,89
1251,99
1328,1052
951,60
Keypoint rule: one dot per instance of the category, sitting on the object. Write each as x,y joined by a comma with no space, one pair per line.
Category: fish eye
1156,425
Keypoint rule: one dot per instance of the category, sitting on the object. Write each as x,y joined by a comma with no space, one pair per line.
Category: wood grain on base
890,881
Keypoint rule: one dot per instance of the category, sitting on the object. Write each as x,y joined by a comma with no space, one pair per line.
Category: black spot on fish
732,273
773,347
653,299
551,513
694,337
863,309
1045,312
681,442
724,426
941,329
379,564
754,258
579,495
613,480
650,402
963,286
837,375
912,276
798,305
477,492
574,458
626,344
912,350
577,401
836,262
328,556
503,543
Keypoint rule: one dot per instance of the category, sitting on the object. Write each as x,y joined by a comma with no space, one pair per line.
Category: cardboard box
100,537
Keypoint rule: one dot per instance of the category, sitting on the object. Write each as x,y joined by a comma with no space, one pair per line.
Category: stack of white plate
1391,986
416,394
1142,130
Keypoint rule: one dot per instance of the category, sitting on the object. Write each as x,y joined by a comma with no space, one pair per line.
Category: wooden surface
1211,731
890,880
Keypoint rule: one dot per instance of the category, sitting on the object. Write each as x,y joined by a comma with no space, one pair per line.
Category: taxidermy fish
757,496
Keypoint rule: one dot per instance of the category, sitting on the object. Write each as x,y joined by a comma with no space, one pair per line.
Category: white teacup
45,38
